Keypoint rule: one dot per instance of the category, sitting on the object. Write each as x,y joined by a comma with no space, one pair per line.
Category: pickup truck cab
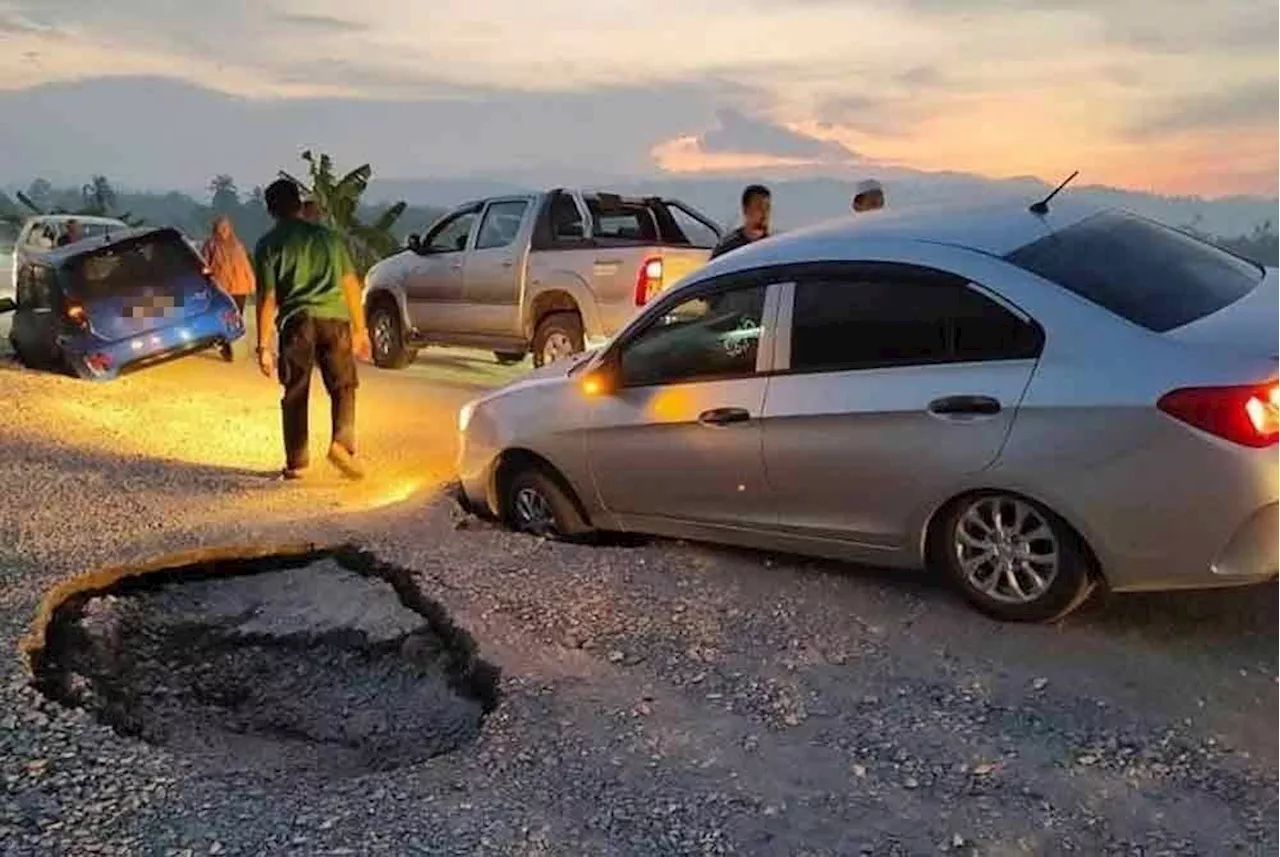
543,273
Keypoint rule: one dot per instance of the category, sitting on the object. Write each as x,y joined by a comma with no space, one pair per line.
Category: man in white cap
868,195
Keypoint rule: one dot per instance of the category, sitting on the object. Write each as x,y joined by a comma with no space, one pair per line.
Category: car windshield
129,267
1152,275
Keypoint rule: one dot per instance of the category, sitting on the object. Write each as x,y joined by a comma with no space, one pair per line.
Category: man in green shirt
308,291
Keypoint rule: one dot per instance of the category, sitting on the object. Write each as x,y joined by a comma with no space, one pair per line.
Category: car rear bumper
94,358
1246,551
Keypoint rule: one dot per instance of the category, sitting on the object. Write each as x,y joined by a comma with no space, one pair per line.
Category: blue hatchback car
118,302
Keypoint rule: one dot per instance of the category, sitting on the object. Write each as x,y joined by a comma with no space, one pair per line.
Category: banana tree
338,200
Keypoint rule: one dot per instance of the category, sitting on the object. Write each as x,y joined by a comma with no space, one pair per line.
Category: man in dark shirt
756,204
308,291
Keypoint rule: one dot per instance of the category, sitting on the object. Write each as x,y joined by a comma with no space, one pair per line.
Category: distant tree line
1262,245
372,231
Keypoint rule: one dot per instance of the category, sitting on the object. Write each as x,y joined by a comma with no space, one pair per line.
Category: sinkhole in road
313,659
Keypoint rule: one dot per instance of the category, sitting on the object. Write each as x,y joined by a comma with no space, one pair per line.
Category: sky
1172,96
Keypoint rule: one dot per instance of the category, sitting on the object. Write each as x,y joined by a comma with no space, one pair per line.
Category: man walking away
756,205
868,195
308,288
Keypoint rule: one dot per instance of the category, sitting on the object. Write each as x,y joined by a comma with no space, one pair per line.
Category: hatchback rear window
155,260
1152,275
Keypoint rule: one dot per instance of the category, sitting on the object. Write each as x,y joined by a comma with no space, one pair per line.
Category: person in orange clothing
229,266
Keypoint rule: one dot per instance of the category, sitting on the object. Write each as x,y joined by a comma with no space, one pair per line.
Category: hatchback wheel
535,503
1014,559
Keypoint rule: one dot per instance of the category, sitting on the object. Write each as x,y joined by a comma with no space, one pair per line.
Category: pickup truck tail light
648,280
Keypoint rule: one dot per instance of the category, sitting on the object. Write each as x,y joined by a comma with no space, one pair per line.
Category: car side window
450,236
889,315
712,337
34,287
501,223
42,237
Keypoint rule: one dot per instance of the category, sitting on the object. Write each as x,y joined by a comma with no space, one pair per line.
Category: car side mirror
7,305
605,378
415,242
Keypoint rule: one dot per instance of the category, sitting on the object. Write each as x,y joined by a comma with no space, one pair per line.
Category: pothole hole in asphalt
325,660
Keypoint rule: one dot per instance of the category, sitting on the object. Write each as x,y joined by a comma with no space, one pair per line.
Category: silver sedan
1033,403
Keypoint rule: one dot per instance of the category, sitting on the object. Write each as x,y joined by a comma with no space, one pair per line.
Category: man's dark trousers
306,343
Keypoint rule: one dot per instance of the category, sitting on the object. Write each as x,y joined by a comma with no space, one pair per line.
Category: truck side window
450,236
501,223
566,220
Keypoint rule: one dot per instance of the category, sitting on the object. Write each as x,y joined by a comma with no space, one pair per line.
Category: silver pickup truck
546,273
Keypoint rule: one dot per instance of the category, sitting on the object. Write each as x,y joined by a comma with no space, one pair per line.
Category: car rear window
622,219
1152,275
646,221
152,261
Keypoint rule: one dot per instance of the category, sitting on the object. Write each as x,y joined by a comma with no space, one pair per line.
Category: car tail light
231,318
98,362
76,315
648,280
1249,415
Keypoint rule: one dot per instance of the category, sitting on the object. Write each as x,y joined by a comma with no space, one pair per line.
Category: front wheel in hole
1013,559
534,502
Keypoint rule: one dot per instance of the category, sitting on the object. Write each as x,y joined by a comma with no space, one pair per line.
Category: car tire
558,335
24,359
386,337
536,502
1012,558
508,358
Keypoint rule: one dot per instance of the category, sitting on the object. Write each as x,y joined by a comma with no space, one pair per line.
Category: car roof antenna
1042,207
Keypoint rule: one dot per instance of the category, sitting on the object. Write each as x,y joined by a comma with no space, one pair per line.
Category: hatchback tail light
98,362
648,280
1248,415
76,314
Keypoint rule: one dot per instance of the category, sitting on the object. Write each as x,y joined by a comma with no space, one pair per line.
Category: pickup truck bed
543,273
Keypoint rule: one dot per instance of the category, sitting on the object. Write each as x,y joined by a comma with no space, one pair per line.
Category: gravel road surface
655,697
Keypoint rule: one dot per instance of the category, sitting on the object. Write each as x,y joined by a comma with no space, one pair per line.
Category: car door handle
724,416
949,406
507,263
456,266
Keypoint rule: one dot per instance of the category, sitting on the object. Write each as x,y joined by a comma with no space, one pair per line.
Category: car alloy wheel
1006,549
533,512
383,333
536,500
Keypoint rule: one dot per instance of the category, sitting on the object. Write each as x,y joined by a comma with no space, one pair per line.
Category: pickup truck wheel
386,338
508,358
558,335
